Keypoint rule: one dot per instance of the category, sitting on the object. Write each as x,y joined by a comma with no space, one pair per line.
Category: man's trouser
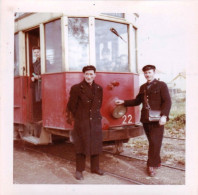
80,162
154,133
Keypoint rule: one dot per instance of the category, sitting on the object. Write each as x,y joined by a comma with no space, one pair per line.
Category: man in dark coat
84,106
157,95
36,75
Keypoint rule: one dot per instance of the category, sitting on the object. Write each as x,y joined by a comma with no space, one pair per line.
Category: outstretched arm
135,102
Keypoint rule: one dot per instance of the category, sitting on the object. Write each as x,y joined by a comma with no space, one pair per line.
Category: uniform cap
89,67
148,67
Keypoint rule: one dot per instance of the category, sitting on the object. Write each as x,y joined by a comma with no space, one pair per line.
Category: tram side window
111,46
53,49
133,51
78,43
16,54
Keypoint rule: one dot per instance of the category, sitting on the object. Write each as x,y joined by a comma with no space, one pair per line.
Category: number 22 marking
127,119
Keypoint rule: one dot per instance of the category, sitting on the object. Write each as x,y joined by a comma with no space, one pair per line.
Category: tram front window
111,46
78,43
16,54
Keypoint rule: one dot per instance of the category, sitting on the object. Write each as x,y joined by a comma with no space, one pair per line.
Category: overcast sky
162,42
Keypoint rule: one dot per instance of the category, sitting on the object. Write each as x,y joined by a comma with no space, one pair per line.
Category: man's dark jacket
37,83
158,98
84,104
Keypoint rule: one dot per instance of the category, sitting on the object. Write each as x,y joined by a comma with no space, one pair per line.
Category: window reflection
16,54
111,46
53,46
78,43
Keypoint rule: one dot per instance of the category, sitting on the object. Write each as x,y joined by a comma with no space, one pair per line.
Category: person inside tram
122,63
105,63
36,75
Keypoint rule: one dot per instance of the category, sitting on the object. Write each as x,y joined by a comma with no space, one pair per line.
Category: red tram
67,43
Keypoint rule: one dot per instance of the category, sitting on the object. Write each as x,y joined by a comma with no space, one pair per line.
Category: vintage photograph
91,106
98,97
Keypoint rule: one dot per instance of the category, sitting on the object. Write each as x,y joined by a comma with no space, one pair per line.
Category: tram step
32,139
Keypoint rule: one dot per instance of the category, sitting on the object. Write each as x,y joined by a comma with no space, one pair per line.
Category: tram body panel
54,100
117,85
20,99
55,95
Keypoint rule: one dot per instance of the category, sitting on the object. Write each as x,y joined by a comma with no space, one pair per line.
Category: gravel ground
43,168
40,168
172,151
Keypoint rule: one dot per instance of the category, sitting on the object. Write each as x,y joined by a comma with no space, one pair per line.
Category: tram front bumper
122,132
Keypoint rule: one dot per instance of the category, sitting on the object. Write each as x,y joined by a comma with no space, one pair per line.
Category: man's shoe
159,165
79,175
99,172
151,171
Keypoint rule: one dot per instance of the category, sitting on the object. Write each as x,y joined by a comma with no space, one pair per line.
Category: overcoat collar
86,89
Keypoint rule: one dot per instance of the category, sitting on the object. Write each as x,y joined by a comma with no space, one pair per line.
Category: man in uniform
158,97
84,107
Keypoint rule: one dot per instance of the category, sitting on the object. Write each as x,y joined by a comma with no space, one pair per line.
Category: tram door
34,67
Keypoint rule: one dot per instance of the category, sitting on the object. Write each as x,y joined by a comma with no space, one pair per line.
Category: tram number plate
127,119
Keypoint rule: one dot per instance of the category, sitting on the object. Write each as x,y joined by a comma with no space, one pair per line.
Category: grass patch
177,122
175,127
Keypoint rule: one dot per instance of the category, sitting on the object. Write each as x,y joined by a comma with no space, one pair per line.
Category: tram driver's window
78,43
133,51
16,55
111,46
53,50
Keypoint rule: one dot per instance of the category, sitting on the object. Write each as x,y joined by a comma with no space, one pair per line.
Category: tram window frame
78,67
128,42
47,62
114,16
66,66
133,50
16,55
29,44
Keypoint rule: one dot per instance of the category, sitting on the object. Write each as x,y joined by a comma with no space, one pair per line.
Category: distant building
177,86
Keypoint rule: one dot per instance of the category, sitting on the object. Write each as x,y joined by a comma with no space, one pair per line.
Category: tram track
120,177
139,159
174,138
111,153
118,172
132,181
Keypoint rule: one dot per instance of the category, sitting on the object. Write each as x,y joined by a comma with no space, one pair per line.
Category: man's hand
163,120
119,102
33,79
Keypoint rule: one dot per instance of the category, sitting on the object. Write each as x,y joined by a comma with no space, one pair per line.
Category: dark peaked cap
148,67
89,67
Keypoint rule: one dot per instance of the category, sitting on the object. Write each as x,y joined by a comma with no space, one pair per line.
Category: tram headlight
119,111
